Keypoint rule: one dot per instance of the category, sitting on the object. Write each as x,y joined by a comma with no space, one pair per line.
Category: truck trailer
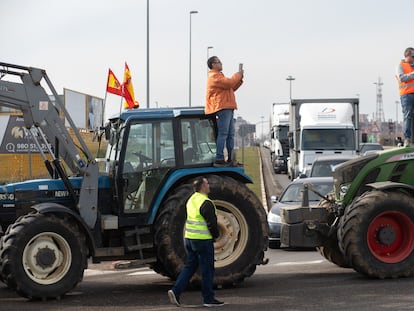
279,145
321,127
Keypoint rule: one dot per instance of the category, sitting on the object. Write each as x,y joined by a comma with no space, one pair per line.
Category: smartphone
240,67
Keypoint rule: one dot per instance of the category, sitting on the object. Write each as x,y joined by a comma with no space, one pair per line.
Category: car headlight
271,217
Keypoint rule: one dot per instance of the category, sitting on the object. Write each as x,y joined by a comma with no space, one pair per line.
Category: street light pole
208,56
189,72
290,79
262,138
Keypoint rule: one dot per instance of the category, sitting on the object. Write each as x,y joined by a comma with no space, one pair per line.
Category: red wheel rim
390,237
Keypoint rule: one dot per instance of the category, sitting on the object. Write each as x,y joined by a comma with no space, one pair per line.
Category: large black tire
43,256
330,246
243,232
331,251
376,234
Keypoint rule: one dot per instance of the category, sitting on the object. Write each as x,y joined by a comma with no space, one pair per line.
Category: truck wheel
243,231
42,256
330,247
376,234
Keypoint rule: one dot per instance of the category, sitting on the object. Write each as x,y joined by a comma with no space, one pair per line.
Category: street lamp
189,72
290,79
208,56
208,49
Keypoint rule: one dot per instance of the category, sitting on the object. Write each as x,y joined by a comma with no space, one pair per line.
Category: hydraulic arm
45,121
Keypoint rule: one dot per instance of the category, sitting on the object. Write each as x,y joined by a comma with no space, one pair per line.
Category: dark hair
198,182
210,61
408,51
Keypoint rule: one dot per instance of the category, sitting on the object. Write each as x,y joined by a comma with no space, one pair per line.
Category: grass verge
251,161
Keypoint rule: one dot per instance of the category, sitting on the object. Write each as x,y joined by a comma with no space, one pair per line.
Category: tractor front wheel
43,256
376,234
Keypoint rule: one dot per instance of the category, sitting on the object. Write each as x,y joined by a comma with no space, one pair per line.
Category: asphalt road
292,280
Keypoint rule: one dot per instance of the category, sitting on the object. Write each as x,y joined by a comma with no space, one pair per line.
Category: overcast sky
332,48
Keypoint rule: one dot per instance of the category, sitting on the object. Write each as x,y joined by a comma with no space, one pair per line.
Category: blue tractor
129,205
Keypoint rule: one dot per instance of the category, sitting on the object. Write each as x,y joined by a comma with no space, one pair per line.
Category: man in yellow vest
405,77
200,231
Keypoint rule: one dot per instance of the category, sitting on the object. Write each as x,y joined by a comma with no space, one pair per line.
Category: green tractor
368,222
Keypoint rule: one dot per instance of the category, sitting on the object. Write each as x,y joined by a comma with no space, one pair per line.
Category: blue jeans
198,252
407,104
225,135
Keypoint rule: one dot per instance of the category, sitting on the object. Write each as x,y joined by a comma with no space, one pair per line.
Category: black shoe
214,303
173,299
220,163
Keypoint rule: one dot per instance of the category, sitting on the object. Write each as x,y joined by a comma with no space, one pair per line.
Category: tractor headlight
343,190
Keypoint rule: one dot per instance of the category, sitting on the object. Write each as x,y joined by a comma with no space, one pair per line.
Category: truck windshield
281,132
328,139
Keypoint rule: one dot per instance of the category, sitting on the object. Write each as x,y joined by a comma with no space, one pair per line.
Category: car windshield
324,168
294,192
368,147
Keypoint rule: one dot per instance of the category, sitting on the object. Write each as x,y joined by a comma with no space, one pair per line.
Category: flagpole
120,107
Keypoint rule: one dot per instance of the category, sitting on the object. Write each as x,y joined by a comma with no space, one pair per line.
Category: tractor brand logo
327,113
61,193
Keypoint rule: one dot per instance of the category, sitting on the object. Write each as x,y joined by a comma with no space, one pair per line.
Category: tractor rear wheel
376,234
242,225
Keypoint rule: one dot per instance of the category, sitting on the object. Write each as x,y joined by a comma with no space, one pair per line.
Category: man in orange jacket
405,77
220,100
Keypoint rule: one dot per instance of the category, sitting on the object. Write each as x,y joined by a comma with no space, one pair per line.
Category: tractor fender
181,176
46,208
391,185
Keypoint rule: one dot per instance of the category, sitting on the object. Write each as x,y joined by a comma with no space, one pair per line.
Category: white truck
321,127
279,143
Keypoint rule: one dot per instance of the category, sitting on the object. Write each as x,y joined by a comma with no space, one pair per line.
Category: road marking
147,272
90,272
139,271
296,263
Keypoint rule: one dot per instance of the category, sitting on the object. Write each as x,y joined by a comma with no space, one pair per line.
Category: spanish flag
113,86
128,90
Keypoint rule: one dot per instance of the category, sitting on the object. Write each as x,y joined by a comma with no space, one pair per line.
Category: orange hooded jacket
220,91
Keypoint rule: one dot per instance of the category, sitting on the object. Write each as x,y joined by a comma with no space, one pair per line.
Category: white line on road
139,271
143,272
296,263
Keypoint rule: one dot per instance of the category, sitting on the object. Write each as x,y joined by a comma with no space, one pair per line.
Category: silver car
292,195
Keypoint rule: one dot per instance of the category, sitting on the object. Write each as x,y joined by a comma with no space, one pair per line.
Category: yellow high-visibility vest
196,226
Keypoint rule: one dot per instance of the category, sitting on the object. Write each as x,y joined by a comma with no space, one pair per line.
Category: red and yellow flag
113,86
128,90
